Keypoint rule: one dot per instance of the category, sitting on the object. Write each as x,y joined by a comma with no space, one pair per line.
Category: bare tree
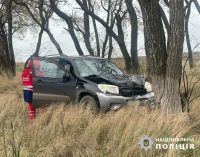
85,31
109,8
134,36
187,16
119,37
68,19
164,62
91,7
10,34
43,21
9,24
83,26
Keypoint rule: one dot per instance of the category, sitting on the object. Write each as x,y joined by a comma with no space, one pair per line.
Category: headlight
148,87
108,88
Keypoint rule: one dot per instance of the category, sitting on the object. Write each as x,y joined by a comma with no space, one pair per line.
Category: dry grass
71,131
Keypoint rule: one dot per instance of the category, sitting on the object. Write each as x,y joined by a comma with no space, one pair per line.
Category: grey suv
85,80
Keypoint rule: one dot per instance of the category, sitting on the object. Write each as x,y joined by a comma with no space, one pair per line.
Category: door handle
39,81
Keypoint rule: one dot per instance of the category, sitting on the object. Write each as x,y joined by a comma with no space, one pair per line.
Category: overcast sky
26,46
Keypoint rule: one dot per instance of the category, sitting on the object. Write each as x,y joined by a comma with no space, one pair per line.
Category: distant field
19,66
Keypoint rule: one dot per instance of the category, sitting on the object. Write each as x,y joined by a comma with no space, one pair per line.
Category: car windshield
89,67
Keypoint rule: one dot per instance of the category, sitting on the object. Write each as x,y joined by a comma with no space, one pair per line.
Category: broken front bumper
113,102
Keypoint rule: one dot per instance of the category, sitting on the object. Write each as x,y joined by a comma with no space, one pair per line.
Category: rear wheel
89,102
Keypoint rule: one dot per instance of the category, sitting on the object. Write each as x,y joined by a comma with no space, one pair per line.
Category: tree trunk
134,36
109,21
108,36
197,5
6,65
122,44
155,46
105,44
87,30
91,7
96,37
110,47
37,51
53,40
10,40
171,101
190,53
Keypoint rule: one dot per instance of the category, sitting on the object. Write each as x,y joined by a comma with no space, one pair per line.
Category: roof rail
53,55
89,56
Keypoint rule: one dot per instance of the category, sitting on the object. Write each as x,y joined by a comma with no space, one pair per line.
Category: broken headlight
105,88
148,87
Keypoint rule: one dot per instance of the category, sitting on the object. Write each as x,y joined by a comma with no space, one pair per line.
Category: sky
26,46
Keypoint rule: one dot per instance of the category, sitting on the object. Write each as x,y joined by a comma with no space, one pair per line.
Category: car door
51,83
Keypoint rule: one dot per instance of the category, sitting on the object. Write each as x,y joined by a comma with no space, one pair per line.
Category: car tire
89,102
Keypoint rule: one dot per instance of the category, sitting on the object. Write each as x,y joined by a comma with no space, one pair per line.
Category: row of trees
165,24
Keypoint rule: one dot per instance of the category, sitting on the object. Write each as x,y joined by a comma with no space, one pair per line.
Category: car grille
128,92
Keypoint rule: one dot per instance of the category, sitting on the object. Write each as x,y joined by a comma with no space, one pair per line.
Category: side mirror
67,68
66,77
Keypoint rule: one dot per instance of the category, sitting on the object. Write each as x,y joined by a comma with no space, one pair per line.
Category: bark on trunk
171,101
134,36
10,40
155,45
110,21
104,45
110,47
6,65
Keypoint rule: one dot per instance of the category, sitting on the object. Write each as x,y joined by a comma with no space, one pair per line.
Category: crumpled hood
119,80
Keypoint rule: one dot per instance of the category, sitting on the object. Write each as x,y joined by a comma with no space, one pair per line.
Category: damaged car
85,80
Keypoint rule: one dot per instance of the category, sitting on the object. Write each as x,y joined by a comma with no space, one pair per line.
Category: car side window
67,65
48,69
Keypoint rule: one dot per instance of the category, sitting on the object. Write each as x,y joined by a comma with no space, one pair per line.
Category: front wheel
90,102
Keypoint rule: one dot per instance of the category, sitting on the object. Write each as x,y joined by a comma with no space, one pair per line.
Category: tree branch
165,20
197,5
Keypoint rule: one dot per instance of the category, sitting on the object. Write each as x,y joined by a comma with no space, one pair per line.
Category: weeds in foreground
72,131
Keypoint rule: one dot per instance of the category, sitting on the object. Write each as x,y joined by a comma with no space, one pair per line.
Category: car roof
72,57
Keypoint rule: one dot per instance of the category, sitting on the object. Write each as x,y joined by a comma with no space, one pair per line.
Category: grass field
72,131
